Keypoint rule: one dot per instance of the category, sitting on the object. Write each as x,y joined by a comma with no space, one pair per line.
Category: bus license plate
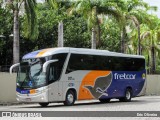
28,99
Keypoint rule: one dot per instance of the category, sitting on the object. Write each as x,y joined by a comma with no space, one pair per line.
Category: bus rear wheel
128,96
44,104
104,100
70,98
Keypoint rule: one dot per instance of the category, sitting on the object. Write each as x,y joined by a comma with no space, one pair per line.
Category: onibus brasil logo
21,114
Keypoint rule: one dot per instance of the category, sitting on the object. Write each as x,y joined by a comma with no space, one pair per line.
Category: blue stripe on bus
22,91
31,55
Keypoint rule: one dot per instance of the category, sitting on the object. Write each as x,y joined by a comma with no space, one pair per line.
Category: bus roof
50,51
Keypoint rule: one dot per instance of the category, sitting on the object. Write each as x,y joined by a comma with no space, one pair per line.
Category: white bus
69,74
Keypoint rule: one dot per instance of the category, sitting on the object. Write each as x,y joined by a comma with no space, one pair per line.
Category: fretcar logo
124,76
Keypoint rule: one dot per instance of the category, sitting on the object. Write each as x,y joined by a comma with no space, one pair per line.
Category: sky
150,2
154,3
40,1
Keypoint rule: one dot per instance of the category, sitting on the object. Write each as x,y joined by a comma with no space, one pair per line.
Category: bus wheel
70,98
104,100
128,96
44,104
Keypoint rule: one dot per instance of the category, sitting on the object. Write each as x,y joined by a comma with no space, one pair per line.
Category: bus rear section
105,77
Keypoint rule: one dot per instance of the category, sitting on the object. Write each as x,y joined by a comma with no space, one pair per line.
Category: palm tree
151,40
91,11
131,11
58,5
134,35
17,6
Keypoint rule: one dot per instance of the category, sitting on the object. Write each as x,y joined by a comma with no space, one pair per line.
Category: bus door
54,84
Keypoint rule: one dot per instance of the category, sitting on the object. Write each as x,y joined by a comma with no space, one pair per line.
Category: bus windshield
30,74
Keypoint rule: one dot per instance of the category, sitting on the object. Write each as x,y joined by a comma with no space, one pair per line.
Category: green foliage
6,24
47,27
5,21
110,40
150,33
47,22
107,16
76,33
75,30
31,28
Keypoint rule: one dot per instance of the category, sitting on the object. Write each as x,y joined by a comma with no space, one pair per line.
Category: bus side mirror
47,63
13,66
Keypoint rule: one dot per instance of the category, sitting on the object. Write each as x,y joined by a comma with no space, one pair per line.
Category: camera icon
6,114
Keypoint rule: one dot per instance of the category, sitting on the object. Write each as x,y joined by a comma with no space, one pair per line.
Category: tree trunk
98,34
16,46
139,40
93,38
60,34
148,64
123,39
153,66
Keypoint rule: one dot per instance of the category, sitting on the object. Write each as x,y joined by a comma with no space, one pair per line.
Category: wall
153,85
8,86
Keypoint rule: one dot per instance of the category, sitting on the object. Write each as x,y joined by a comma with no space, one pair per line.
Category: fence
8,86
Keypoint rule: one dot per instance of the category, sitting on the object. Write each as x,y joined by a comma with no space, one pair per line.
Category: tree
151,40
149,43
76,33
6,24
17,6
47,27
60,6
134,44
91,10
110,39
131,10
75,30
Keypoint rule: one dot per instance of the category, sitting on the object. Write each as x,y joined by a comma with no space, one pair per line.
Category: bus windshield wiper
31,78
27,77
23,82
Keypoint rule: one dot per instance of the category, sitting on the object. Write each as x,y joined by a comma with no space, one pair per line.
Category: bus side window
58,66
76,62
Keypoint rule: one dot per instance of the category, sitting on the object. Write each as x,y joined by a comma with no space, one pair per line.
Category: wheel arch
130,88
73,90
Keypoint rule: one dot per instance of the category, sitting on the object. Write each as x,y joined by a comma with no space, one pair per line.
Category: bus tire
44,104
70,98
104,100
128,96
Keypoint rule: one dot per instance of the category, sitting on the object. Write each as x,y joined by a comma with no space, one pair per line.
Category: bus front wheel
44,104
128,96
70,98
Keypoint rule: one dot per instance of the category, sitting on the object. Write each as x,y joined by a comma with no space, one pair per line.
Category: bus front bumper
32,98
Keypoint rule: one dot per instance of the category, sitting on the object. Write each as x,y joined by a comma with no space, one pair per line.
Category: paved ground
147,104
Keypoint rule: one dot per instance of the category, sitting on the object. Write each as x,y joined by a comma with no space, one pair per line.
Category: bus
69,74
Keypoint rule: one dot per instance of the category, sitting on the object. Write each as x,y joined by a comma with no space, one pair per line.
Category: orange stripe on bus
42,52
32,91
89,79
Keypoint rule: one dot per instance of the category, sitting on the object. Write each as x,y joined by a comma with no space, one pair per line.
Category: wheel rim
128,95
70,98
